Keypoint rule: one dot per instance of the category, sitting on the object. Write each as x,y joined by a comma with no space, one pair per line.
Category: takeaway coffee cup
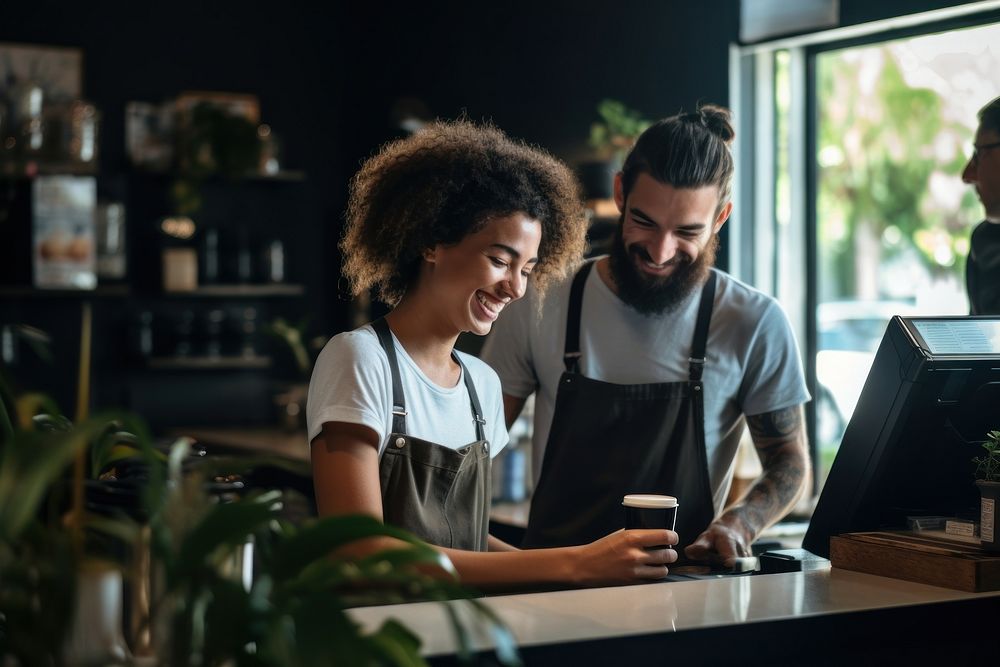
650,511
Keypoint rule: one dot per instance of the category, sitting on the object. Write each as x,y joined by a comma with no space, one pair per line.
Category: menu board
960,336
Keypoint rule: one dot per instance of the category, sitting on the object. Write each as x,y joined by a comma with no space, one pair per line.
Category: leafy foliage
214,141
293,612
618,129
988,465
879,153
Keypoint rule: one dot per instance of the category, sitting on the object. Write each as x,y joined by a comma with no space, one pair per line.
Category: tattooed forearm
781,444
777,424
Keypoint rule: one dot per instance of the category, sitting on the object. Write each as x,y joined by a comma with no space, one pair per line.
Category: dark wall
327,78
535,69
538,69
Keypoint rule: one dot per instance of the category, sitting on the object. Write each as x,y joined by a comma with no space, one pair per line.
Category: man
982,270
647,363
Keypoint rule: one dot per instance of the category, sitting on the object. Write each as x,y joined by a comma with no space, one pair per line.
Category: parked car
849,333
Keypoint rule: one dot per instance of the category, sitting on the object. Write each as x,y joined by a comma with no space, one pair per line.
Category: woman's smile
489,305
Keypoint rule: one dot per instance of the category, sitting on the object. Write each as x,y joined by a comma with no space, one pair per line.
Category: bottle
28,100
111,262
143,341
275,261
249,331
214,325
210,256
184,332
244,259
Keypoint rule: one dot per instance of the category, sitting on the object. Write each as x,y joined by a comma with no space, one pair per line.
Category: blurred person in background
982,269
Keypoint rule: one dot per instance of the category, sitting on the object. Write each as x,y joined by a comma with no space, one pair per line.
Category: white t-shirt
752,361
352,383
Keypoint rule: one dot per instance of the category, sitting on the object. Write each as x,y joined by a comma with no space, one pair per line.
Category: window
856,149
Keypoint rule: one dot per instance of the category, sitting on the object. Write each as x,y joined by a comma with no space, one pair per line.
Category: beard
651,295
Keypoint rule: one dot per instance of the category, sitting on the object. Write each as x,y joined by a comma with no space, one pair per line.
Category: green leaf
178,452
31,465
230,621
6,425
399,559
458,629
320,538
504,642
323,634
224,525
396,645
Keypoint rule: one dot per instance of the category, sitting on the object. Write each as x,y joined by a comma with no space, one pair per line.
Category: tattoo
777,424
780,442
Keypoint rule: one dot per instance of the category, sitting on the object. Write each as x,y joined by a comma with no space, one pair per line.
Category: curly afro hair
443,183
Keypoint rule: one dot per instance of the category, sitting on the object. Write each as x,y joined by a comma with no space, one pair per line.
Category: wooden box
933,560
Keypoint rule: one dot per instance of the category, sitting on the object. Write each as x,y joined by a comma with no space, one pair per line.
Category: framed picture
57,69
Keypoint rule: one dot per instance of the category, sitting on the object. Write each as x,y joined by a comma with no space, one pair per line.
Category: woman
448,225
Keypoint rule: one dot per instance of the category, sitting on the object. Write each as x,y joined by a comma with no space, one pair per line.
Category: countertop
255,440
660,612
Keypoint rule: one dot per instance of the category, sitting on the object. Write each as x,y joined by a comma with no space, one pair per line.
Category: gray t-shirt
752,360
352,383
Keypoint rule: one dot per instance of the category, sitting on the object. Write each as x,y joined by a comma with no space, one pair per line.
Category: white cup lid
646,500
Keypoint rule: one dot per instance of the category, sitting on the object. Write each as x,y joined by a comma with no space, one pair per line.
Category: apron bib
441,495
608,440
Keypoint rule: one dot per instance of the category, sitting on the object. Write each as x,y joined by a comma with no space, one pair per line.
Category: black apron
441,495
608,440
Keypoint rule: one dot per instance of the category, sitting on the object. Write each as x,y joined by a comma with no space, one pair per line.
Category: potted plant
610,140
292,611
988,480
213,141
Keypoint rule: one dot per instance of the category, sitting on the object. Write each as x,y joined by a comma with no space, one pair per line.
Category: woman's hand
625,556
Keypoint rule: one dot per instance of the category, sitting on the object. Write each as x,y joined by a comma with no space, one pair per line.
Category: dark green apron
608,440
441,495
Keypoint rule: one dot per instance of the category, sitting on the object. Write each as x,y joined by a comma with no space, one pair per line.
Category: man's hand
723,542
780,440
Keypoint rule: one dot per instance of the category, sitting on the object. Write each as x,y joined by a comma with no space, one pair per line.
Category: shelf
250,290
283,176
100,292
121,291
209,363
289,176
32,168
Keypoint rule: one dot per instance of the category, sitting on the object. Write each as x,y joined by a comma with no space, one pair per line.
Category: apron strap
384,334
571,357
477,410
697,360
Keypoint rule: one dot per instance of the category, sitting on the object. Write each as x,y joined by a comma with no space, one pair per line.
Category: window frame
751,252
